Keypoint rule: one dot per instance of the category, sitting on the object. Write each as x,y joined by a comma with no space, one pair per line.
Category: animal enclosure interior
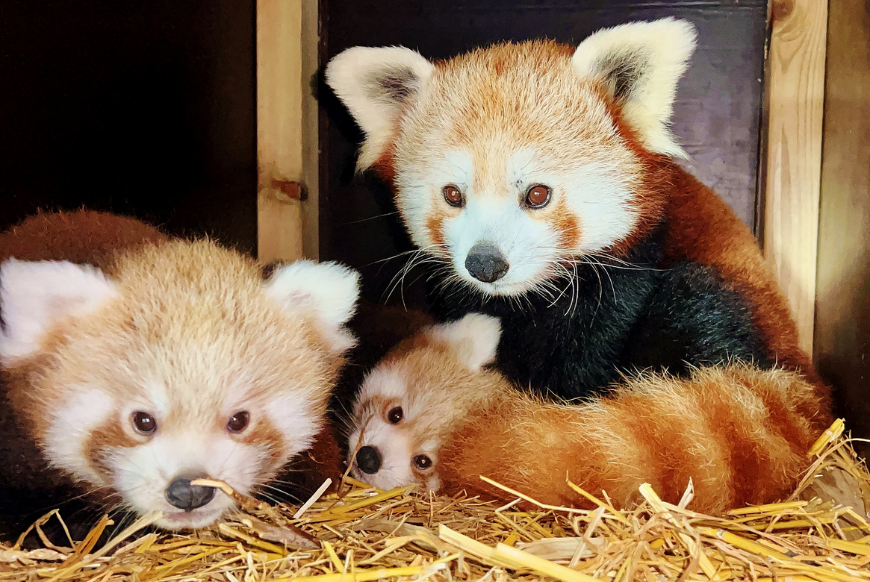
214,118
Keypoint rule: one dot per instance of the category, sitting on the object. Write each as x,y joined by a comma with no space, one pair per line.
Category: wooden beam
279,129
842,338
310,128
794,152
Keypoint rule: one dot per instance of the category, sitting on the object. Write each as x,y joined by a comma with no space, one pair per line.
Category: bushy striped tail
740,434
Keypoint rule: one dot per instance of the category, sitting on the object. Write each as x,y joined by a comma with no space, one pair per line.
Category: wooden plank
279,128
794,148
842,334
310,128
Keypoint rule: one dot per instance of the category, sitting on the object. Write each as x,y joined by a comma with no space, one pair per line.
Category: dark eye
452,195
395,415
238,422
538,196
144,423
422,462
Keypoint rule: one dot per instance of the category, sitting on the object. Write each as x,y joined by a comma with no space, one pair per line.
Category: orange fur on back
83,236
702,228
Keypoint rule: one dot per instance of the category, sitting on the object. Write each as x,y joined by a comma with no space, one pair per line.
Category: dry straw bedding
366,534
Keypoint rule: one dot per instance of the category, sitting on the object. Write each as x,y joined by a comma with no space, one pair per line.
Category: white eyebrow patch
519,168
456,167
157,396
382,381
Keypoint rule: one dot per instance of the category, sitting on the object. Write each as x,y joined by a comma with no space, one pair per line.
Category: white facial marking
602,204
382,381
394,443
156,394
70,429
527,238
143,473
295,420
394,447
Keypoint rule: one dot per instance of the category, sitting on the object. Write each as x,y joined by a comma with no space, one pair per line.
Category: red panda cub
541,179
432,413
137,371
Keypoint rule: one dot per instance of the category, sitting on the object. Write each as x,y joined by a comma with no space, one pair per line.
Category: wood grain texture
842,334
794,149
310,128
279,127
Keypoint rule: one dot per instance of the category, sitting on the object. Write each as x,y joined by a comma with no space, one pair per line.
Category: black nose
486,263
183,495
368,459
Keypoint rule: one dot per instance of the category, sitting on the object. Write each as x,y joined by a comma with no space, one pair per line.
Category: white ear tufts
374,84
474,339
37,296
327,292
641,64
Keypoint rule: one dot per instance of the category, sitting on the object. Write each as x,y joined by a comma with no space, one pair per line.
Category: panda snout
368,459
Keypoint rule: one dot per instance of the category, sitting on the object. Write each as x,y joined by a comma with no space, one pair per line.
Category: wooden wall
287,137
792,159
842,326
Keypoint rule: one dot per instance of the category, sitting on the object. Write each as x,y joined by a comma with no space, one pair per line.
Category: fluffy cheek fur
68,433
398,444
142,473
92,438
397,447
590,210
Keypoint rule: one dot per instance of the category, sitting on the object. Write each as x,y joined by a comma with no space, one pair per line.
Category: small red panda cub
432,413
166,361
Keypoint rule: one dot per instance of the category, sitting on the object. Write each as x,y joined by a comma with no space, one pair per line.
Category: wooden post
794,152
279,129
842,334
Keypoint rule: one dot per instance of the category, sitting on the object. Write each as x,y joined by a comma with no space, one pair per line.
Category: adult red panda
432,413
542,176
132,364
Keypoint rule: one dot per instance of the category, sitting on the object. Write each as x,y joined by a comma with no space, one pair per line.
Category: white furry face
409,403
223,423
587,210
513,161
386,419
185,364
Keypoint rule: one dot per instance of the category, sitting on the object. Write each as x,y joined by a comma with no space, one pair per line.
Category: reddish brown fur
566,225
738,433
702,228
82,237
109,435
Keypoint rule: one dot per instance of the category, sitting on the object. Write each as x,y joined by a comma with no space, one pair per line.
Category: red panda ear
474,339
326,292
375,84
640,64
37,296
